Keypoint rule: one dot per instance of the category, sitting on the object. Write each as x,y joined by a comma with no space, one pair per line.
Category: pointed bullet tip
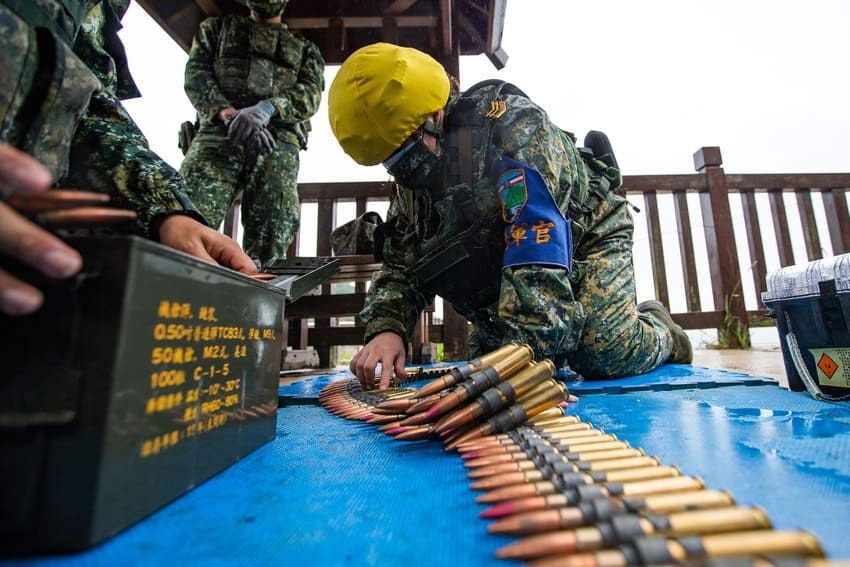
498,510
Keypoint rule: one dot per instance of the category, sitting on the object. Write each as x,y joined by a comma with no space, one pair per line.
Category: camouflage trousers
605,336
217,170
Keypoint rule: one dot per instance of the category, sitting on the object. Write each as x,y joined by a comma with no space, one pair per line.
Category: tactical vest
462,262
254,62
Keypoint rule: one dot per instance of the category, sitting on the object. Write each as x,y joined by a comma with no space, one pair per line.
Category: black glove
248,121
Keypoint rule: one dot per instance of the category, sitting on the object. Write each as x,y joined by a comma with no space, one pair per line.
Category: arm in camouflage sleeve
302,99
537,303
394,300
199,81
393,303
110,154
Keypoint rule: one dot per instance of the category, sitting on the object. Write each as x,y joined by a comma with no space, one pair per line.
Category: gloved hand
261,143
248,121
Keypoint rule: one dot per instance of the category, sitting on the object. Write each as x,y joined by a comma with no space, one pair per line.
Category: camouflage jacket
134,175
530,304
82,132
235,61
99,46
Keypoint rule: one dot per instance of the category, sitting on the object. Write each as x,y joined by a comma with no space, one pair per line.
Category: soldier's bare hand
186,234
225,114
24,240
385,348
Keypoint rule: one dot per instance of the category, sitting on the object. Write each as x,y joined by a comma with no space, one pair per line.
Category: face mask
266,8
416,167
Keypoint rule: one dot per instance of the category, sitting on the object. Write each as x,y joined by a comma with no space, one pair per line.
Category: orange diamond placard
827,365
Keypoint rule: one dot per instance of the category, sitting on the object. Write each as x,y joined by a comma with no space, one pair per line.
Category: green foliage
732,332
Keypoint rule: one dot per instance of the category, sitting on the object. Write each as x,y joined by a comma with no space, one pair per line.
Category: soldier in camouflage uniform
498,212
62,73
255,85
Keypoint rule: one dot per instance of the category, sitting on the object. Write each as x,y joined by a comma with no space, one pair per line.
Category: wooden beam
389,31
325,306
495,28
446,12
755,242
722,253
686,251
838,219
399,7
210,8
656,248
362,22
811,238
780,227
350,190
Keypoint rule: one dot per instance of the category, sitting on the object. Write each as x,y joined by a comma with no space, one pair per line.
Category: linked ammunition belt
570,493
68,208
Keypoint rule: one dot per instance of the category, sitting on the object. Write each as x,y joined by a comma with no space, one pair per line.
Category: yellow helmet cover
380,96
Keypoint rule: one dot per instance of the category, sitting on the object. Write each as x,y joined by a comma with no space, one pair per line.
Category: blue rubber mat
666,377
769,447
326,491
329,491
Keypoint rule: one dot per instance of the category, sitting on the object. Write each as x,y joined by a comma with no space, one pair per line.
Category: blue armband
536,231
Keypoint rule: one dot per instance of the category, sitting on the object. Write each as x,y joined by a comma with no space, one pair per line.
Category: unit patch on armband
512,194
536,231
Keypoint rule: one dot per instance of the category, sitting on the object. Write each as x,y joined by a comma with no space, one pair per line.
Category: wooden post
455,329
835,206
734,332
324,226
656,248
231,218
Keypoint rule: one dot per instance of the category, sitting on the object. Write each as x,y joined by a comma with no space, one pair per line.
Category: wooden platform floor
758,361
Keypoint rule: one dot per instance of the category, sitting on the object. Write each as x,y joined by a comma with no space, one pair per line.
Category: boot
683,352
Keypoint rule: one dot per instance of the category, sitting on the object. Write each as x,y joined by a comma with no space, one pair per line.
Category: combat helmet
381,94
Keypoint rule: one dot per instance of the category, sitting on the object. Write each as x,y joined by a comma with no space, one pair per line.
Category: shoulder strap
465,117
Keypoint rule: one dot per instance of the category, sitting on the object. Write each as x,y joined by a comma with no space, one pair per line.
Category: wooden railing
824,229
732,229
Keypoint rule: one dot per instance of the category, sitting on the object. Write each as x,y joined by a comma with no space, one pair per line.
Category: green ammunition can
140,378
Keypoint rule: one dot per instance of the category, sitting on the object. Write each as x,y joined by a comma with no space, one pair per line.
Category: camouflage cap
357,236
266,8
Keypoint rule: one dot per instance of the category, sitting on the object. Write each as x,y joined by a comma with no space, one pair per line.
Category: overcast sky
766,80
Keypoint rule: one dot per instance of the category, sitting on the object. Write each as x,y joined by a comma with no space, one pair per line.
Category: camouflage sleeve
302,99
537,304
99,46
111,155
527,135
395,299
393,303
199,79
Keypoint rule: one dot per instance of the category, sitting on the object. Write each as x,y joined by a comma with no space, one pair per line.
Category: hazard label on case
832,366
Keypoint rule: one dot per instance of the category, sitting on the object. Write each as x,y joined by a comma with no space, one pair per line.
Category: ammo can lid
802,280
